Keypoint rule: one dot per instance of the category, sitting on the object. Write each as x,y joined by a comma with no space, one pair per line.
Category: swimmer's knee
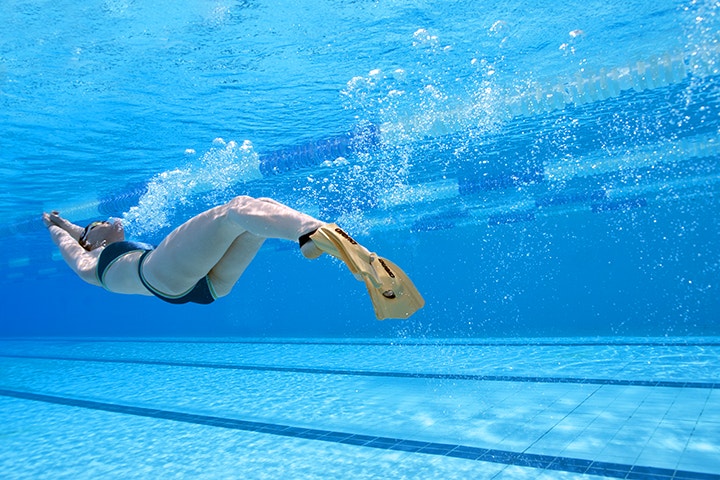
241,200
246,203
239,204
245,200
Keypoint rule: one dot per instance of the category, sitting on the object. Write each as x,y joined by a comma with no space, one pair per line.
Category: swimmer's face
100,234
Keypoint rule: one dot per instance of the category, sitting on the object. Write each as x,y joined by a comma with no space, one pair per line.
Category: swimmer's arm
81,261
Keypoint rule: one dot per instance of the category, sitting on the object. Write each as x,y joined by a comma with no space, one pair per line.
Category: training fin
392,293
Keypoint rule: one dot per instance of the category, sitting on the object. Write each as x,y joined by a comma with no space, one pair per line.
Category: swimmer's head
100,234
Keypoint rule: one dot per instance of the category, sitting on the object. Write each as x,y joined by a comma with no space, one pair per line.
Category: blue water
547,174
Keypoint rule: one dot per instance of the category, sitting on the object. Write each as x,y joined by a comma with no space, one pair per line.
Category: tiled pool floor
556,408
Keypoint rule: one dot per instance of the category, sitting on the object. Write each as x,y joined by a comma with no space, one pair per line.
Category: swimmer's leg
231,266
193,249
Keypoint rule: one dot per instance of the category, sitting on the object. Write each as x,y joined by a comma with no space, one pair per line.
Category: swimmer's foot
308,247
391,291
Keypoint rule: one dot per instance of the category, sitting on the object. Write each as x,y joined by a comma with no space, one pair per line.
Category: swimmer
203,258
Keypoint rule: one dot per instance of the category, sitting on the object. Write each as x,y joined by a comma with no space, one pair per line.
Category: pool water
547,174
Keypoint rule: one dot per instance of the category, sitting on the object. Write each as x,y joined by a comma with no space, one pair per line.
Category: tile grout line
637,407
563,418
697,421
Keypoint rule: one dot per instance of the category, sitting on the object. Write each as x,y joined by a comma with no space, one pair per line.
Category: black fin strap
305,238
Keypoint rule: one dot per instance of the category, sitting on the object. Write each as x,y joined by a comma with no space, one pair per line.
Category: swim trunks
202,292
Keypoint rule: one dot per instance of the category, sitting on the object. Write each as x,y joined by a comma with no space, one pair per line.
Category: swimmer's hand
52,218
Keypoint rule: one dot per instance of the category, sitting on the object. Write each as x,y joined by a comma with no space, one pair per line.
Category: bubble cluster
221,167
702,31
437,98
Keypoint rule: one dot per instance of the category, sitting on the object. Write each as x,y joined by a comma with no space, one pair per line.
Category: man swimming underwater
203,258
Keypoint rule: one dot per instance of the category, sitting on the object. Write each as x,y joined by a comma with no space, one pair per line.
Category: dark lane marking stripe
547,462
377,343
367,373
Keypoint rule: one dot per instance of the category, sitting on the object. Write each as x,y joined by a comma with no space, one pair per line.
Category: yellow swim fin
392,293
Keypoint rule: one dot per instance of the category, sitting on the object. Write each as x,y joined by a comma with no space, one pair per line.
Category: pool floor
323,408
